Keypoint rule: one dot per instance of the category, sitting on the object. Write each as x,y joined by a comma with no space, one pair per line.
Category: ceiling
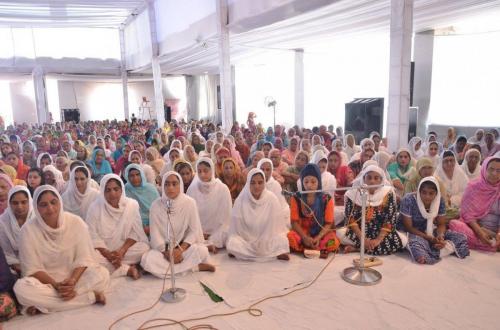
62,13
323,25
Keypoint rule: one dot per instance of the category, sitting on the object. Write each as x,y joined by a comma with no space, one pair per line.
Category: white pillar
155,66
299,87
224,66
40,95
123,68
399,73
422,56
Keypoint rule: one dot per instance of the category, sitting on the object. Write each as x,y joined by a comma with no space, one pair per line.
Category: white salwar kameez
76,202
273,186
256,230
110,227
214,203
57,252
9,228
184,219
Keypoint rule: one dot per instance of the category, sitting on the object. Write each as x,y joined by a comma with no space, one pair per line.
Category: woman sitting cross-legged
257,231
57,261
480,210
381,235
214,203
312,216
176,210
116,230
420,211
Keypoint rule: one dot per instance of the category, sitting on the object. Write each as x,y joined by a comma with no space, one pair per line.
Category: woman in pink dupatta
480,209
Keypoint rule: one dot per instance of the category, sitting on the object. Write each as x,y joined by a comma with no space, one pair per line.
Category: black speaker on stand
167,113
363,116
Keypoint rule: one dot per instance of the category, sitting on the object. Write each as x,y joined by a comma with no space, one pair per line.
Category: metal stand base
173,295
361,276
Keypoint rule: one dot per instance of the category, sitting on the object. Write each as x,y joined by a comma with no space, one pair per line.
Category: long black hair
40,173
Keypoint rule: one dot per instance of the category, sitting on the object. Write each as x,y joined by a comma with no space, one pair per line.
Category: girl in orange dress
312,216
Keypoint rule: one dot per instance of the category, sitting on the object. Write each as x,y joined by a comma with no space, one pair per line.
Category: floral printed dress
378,218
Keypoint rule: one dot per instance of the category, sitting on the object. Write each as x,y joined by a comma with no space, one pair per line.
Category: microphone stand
173,294
359,274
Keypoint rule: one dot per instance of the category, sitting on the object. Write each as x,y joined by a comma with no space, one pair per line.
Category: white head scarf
76,202
477,171
214,204
204,187
378,196
54,235
183,214
9,226
257,221
415,154
455,186
110,226
64,248
39,159
58,176
434,209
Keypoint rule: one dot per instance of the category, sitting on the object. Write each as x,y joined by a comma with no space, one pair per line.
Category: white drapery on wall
138,51
201,95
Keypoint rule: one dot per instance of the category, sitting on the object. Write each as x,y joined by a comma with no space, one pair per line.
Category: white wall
103,100
22,94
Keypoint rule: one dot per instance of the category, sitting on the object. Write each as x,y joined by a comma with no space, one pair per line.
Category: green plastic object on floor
214,296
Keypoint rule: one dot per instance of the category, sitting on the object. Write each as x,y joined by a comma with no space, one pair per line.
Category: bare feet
133,272
32,310
350,249
284,257
230,255
100,298
206,268
421,260
212,249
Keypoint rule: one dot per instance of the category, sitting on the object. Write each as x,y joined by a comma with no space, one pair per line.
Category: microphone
174,294
290,193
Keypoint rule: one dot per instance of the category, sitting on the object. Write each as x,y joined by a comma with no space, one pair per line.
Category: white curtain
138,51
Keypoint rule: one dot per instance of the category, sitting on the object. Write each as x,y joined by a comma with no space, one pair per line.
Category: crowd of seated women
82,204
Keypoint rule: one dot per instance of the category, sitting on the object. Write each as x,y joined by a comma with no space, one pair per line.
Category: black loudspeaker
363,116
167,113
71,115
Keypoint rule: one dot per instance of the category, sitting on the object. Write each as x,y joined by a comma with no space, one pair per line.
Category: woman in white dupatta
115,227
170,157
256,230
214,203
381,209
54,177
18,212
266,165
328,180
415,147
80,193
57,261
453,178
472,164
190,252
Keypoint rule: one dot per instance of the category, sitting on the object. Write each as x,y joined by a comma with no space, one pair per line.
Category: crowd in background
257,192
